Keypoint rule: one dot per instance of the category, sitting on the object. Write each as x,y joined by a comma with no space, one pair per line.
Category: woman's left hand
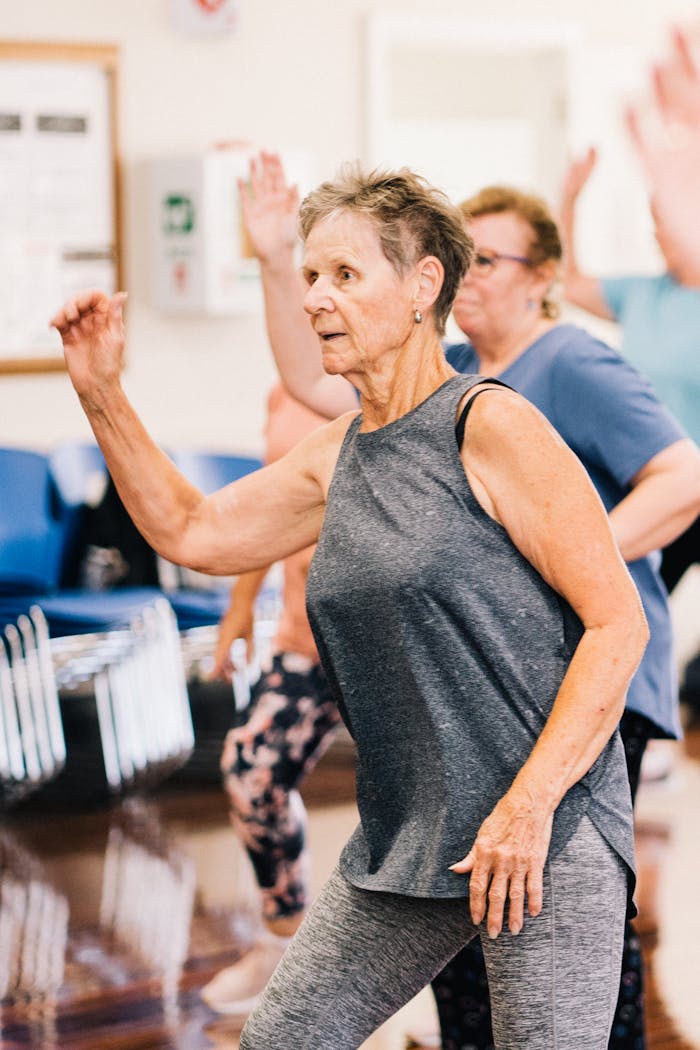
506,863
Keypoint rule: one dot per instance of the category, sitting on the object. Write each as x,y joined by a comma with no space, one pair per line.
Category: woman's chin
334,364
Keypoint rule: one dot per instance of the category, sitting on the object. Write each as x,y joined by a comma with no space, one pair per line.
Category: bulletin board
59,191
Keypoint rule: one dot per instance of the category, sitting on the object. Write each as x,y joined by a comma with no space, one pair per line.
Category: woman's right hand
270,206
92,331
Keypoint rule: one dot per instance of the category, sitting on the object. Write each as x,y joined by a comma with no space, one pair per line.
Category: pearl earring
417,316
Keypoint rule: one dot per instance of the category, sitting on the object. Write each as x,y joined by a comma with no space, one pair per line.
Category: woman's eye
346,275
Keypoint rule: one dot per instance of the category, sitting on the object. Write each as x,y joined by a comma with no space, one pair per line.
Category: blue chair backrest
32,528
73,464
212,470
77,469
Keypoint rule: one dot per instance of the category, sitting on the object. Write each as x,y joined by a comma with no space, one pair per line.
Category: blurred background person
289,725
660,319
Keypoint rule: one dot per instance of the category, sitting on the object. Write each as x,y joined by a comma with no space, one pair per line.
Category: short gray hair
412,218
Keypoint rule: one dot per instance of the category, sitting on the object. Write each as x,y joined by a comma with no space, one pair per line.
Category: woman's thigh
555,985
357,958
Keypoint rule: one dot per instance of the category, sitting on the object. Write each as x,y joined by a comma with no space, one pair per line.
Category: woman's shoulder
316,455
331,434
499,410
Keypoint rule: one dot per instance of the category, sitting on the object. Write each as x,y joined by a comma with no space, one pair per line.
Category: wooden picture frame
60,207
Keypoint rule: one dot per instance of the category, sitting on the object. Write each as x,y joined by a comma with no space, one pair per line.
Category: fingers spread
684,54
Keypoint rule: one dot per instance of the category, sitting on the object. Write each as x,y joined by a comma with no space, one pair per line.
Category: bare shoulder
317,454
505,419
330,436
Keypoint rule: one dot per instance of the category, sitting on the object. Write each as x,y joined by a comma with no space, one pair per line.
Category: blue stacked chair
41,502
43,507
31,528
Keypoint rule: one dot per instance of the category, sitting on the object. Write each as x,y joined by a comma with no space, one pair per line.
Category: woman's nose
317,297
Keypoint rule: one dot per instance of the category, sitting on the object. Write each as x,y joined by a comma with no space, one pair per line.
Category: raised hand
92,331
577,175
677,84
667,141
270,207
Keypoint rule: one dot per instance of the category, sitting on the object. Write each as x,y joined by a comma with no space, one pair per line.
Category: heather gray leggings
360,955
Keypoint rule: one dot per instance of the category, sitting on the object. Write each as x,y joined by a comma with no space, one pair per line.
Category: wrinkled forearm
587,709
158,498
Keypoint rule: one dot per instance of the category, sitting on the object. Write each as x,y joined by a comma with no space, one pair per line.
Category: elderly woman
478,635
644,466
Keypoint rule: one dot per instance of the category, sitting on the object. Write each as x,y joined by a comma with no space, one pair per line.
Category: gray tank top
445,649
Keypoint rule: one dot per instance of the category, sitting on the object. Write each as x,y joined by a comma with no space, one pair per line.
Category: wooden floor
111,919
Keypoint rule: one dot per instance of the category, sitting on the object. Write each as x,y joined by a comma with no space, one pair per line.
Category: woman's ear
545,273
430,275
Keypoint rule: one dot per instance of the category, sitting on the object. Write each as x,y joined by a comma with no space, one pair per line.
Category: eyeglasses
484,263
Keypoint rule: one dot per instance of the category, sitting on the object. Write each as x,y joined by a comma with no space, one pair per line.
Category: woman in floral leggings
291,723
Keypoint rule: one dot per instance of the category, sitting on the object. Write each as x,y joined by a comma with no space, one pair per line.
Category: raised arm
264,516
526,478
667,140
582,289
270,208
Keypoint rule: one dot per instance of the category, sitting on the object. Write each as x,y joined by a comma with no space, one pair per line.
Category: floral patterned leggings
290,725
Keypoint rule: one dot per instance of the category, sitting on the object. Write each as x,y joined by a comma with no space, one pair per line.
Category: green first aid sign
178,214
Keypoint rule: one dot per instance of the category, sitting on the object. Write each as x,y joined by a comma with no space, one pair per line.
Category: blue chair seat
81,612
198,608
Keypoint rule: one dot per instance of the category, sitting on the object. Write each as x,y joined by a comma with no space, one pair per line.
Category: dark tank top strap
462,421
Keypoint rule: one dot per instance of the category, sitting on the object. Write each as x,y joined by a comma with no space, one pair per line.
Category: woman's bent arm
663,501
246,525
530,481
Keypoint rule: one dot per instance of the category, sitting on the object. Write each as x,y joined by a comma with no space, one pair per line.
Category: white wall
293,76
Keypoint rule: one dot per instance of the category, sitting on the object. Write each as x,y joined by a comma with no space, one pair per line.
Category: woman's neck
498,353
400,381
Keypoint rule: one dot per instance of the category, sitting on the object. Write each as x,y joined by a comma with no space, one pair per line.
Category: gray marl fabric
445,649
360,955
